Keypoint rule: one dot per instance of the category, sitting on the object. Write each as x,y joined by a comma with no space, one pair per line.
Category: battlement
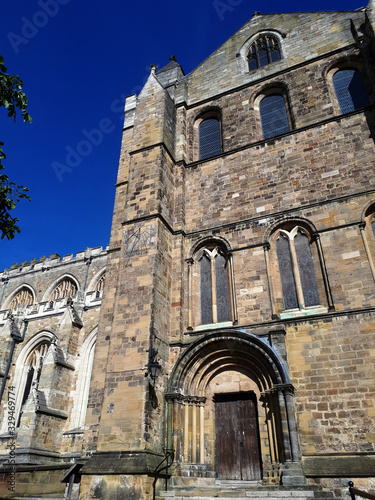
54,260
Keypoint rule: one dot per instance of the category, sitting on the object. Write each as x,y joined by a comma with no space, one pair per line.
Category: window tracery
32,371
23,297
65,289
298,281
100,286
211,286
264,50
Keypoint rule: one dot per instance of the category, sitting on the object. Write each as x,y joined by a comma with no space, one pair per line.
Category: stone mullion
213,290
297,276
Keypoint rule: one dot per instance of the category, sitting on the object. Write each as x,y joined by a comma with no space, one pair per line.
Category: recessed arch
232,359
21,368
223,347
93,285
65,277
25,294
84,371
275,35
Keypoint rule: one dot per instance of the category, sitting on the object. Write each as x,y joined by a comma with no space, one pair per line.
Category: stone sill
298,313
213,326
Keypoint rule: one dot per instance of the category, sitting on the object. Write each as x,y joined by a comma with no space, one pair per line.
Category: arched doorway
230,409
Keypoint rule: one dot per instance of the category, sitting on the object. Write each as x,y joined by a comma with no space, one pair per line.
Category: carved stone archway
218,363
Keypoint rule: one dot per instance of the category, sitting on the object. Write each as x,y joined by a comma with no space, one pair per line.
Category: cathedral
223,344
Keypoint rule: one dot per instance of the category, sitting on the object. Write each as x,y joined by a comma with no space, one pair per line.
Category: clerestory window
264,50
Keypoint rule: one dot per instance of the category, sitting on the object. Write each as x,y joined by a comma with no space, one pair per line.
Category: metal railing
362,494
163,466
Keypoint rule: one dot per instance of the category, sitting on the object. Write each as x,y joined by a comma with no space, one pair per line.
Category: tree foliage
14,100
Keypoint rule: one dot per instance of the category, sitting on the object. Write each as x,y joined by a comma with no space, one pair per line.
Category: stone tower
234,341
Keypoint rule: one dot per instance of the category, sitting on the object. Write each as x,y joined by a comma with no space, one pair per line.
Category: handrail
355,491
169,457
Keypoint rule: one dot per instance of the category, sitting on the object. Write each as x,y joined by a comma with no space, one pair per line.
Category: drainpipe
88,262
16,338
6,281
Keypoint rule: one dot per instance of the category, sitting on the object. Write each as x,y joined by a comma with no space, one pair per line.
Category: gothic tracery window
23,297
32,371
100,286
264,50
298,281
65,289
214,285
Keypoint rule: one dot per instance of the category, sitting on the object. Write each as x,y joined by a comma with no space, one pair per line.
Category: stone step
244,492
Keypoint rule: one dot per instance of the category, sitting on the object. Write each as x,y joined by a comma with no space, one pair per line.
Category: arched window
23,297
81,394
65,289
100,286
296,268
209,138
264,50
273,116
210,284
350,90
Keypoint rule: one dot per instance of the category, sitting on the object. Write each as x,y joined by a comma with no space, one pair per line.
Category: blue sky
78,60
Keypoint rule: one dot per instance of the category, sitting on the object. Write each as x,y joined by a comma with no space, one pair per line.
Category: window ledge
309,311
210,326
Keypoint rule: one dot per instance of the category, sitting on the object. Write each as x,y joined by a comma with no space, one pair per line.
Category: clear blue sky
78,59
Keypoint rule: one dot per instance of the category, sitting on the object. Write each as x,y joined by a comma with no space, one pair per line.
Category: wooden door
237,437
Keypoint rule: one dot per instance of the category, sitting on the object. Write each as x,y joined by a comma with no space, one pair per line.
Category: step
240,491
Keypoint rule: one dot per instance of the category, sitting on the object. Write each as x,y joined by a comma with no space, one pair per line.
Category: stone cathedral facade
223,343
